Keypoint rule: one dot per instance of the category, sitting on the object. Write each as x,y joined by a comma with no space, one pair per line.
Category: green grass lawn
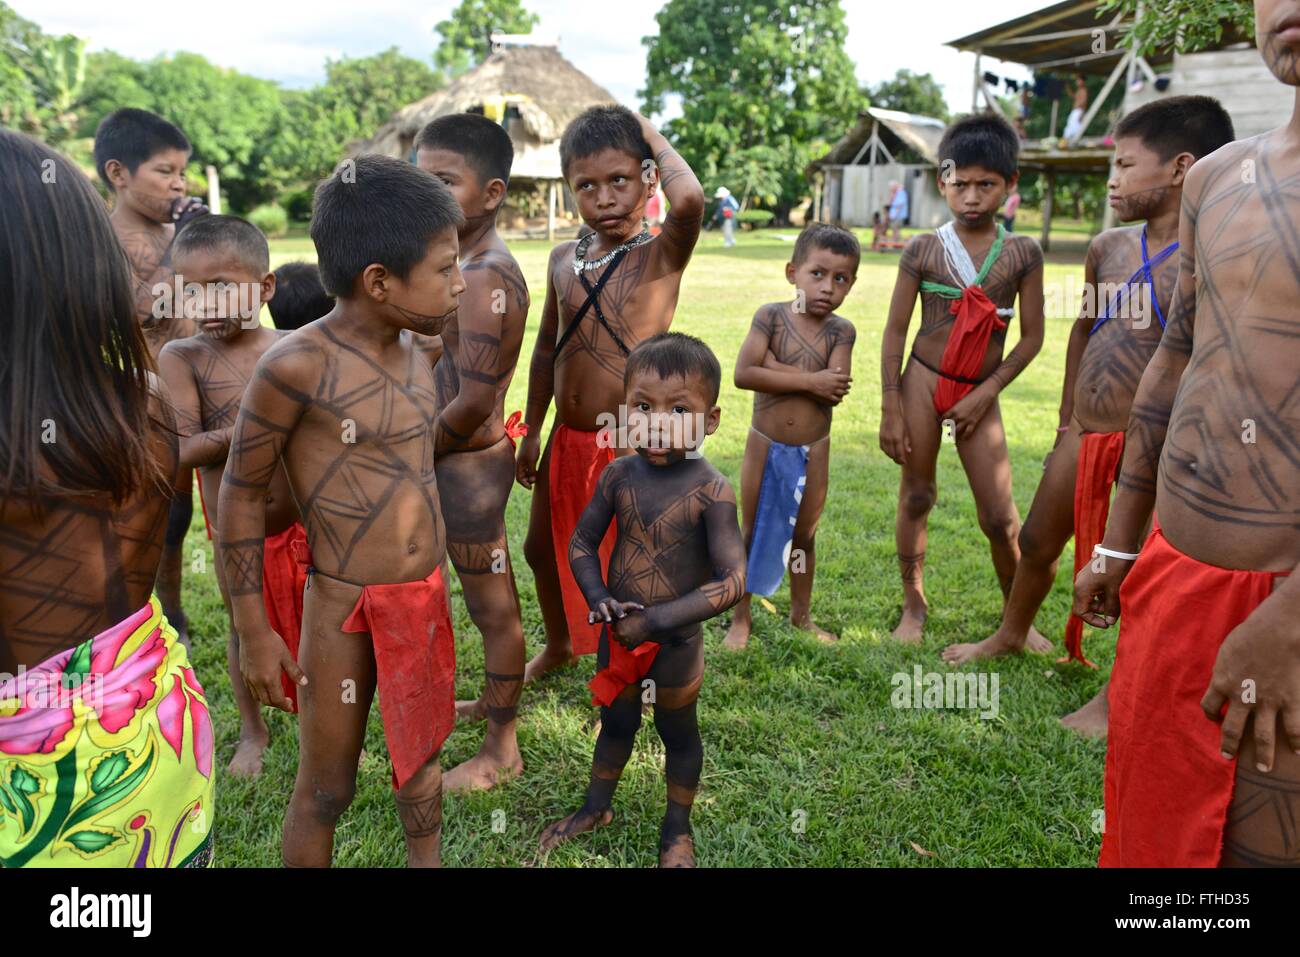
806,761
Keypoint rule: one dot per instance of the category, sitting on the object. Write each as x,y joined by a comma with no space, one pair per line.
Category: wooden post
214,190
979,84
1045,241
871,171
817,199
550,212
1056,109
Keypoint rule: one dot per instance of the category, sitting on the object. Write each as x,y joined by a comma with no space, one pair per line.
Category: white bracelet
1111,553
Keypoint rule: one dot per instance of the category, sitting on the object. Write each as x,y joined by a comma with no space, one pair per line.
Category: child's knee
678,728
622,719
328,798
804,540
537,550
998,527
1035,548
917,500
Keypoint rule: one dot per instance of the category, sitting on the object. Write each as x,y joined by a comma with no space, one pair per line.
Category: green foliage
372,88
753,174
762,74
465,34
297,203
41,78
910,92
756,217
270,219
1183,25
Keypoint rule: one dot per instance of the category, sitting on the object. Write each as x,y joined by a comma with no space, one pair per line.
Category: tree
465,34
1182,25
17,93
41,78
911,92
759,74
372,88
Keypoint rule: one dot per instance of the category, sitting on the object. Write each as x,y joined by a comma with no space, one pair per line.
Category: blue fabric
779,495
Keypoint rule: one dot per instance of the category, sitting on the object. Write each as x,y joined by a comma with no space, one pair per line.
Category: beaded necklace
580,254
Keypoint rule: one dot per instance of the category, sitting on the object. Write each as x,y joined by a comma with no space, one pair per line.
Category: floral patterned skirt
106,754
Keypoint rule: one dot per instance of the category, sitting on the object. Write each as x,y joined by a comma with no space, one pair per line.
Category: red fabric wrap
1100,454
283,581
624,668
204,507
515,428
968,343
409,624
1168,787
577,460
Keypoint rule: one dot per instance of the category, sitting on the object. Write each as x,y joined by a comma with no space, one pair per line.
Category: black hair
981,139
299,296
601,127
836,239
131,136
1179,124
73,353
485,144
376,209
206,233
675,355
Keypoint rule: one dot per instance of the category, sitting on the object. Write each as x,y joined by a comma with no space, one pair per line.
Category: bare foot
737,635
1090,720
247,762
910,627
679,852
1036,643
995,646
474,710
579,822
481,773
547,661
816,630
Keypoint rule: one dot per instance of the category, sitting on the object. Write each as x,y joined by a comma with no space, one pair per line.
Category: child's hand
830,385
894,440
262,656
632,630
530,447
186,208
1096,593
611,610
966,414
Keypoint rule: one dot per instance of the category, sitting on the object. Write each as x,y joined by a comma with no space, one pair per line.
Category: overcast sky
289,40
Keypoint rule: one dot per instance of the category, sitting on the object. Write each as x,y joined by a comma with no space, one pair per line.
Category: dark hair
131,136
1179,124
376,209
485,145
299,296
981,139
601,127
211,232
675,354
71,349
836,239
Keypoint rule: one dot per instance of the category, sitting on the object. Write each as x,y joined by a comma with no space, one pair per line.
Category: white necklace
580,254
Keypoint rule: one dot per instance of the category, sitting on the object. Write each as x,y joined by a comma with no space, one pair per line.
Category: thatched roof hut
529,88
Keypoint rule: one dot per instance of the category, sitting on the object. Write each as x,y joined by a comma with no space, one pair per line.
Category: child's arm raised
477,361
584,556
274,401
197,447
1096,593
968,412
541,379
685,197
893,432
724,589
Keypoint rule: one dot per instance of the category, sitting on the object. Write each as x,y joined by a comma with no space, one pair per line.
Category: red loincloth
516,429
283,581
1168,786
624,668
968,344
409,624
577,459
1100,454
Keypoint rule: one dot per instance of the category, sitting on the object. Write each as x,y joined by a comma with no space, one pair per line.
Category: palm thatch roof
544,89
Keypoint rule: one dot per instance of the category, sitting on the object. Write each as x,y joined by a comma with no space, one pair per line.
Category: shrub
297,203
270,219
756,218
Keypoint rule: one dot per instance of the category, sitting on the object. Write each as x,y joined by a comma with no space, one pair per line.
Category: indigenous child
678,561
476,442
797,359
1129,276
206,374
605,293
104,701
1209,607
299,296
956,369
349,403
141,158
